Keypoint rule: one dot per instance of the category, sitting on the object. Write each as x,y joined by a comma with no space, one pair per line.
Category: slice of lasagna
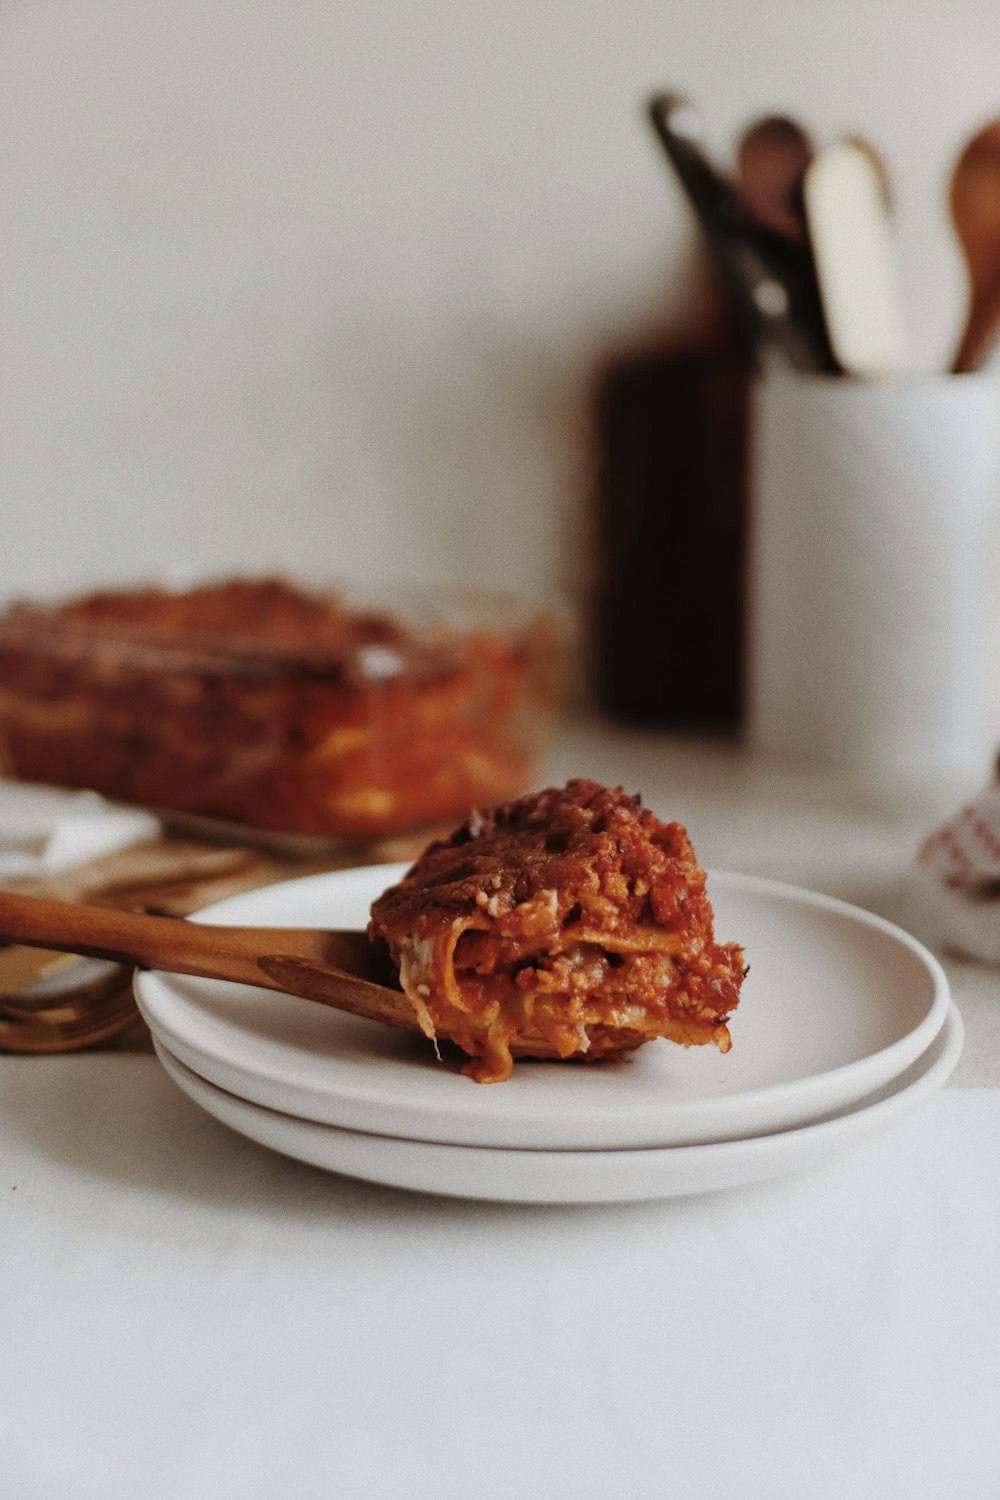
571,924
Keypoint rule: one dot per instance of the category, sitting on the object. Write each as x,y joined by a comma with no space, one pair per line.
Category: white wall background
322,284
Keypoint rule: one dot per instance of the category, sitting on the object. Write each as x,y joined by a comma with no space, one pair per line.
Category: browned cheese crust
570,923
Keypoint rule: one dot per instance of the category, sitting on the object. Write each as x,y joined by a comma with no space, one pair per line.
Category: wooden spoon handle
321,966
127,937
980,333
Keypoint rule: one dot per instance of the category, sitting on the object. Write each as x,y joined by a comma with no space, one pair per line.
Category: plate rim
687,1121
729,1164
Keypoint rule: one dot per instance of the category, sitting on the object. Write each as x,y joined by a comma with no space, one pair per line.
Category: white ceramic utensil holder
872,573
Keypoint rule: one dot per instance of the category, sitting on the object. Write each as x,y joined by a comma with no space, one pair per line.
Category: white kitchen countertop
186,1315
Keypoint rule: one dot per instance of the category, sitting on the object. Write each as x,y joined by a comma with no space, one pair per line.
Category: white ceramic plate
837,1004
575,1176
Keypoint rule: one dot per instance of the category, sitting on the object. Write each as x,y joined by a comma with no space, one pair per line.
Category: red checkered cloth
965,851
964,855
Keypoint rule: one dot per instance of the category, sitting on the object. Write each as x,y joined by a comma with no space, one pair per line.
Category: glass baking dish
260,703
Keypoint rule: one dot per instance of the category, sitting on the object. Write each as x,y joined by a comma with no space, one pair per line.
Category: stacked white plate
845,1024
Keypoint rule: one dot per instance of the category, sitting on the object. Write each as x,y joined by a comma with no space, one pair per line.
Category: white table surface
184,1314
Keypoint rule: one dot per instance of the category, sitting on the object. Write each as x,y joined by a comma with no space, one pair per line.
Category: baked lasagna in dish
571,923
262,703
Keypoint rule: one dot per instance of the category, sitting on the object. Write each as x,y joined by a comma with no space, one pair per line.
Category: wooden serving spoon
774,153
340,969
975,212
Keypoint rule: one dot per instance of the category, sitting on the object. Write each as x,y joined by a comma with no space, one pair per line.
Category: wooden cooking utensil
975,212
335,968
852,245
340,969
774,153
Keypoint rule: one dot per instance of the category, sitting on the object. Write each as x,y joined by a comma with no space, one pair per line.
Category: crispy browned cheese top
584,841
